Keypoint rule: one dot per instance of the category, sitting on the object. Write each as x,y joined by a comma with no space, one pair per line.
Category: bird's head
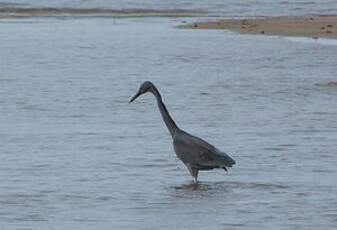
144,88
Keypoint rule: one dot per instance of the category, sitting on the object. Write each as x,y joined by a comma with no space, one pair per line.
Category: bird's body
194,152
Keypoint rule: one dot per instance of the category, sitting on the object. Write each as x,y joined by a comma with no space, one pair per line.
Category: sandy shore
15,12
315,27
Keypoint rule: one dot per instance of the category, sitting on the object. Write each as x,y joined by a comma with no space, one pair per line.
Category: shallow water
75,155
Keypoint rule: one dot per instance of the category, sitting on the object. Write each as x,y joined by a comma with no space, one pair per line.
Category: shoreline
318,26
50,12
306,26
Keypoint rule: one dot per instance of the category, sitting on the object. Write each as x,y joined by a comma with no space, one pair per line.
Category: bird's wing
200,153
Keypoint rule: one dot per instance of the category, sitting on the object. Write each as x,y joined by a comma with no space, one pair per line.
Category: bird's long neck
170,124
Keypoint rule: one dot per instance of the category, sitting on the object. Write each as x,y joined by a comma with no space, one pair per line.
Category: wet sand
315,27
17,12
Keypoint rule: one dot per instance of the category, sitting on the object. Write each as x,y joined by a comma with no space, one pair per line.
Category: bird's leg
193,171
196,171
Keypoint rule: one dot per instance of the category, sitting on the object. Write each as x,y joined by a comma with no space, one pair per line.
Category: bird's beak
134,97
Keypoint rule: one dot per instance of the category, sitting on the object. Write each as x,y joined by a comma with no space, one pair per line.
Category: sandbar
311,26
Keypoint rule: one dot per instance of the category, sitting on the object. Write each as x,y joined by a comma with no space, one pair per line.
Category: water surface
75,155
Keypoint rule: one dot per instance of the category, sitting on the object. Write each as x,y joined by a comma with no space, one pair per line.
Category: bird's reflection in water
201,190
228,186
203,186
190,186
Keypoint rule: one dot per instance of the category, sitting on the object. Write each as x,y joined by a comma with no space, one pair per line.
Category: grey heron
194,152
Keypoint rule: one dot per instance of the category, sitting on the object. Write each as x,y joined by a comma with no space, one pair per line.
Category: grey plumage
194,152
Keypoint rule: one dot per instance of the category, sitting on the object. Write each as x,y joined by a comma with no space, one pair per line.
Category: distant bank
17,12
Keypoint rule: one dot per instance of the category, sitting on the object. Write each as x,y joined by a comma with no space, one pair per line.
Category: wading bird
194,152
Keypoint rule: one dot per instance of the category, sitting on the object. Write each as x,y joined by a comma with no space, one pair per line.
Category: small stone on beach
244,22
332,83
